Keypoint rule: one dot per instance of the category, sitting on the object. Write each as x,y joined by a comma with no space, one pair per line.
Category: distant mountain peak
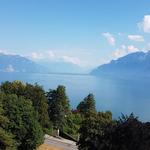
17,63
134,63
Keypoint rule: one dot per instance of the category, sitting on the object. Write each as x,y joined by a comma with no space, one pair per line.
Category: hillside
135,63
16,63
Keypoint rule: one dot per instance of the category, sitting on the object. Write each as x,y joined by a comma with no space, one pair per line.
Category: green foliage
85,107
34,93
129,133
104,117
92,127
22,121
88,104
6,139
37,95
59,107
99,132
15,87
72,125
26,111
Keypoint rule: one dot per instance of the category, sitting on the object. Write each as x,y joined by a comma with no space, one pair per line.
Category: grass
48,147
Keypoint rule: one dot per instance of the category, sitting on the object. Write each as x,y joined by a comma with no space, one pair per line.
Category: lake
119,95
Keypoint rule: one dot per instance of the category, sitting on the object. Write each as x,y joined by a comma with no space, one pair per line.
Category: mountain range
137,63
17,63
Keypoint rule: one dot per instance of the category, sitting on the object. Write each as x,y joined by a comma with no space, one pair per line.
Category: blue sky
82,32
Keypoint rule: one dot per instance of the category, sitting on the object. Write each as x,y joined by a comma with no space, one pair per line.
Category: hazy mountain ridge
137,63
17,63
64,67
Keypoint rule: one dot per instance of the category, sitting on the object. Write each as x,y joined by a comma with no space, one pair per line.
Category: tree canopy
59,107
100,132
27,111
6,138
22,121
87,105
93,125
33,93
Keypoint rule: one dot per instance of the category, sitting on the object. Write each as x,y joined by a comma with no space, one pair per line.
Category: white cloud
111,40
137,38
120,51
41,55
124,50
8,52
69,59
50,56
147,47
1,51
145,24
132,49
5,52
9,68
36,55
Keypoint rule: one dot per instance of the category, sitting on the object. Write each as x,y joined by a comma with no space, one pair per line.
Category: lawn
48,147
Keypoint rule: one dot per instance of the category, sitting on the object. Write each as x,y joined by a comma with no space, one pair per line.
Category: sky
86,33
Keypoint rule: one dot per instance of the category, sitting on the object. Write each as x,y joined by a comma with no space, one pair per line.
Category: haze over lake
119,95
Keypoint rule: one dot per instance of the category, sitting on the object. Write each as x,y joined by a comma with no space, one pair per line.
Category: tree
22,121
6,139
88,104
34,93
73,123
91,128
59,106
15,87
129,133
37,95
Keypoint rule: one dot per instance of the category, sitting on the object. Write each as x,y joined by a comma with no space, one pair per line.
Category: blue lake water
119,95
